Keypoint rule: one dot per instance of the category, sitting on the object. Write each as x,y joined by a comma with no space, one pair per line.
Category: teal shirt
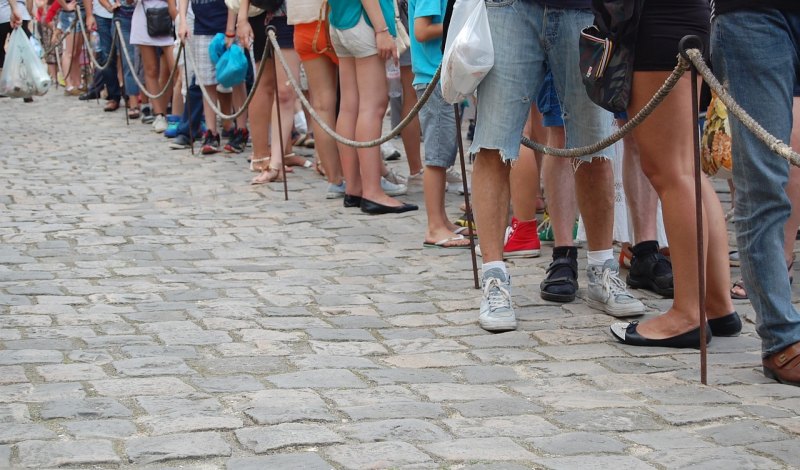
425,56
345,14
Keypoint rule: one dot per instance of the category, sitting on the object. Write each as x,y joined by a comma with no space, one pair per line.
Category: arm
384,40
426,30
183,29
16,19
230,28
112,7
244,31
91,25
67,6
173,9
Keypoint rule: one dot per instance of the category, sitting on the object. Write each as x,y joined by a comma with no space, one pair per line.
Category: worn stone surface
157,311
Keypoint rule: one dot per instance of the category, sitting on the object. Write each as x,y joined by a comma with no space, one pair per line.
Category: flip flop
443,243
464,231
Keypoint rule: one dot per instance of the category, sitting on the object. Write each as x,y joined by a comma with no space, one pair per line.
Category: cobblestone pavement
157,311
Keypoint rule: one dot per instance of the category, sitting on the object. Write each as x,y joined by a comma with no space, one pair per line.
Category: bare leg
239,95
346,124
559,188
525,179
411,133
286,98
490,185
640,196
260,111
322,84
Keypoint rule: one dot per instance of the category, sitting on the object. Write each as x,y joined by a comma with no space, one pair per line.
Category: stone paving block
485,407
511,426
70,372
713,459
230,384
175,415
320,361
42,344
39,454
683,415
320,378
16,321
671,440
185,352
143,386
608,419
14,413
150,366
304,460
784,451
14,432
489,374
578,398
291,323
348,348
5,457
88,408
421,361
12,375
198,445
479,449
119,340
395,430
506,356
371,396
595,462
340,334
267,438
379,455
30,356
101,429
201,337
419,410
743,432
283,406
240,365
407,376
26,393
577,443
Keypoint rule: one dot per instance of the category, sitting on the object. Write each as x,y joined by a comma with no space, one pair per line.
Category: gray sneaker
607,292
335,191
392,189
497,313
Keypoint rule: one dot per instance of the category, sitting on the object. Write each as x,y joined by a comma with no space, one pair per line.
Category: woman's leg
66,61
322,84
239,95
286,98
260,111
346,124
411,133
168,60
150,68
75,60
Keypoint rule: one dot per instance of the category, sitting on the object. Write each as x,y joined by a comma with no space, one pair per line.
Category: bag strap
322,20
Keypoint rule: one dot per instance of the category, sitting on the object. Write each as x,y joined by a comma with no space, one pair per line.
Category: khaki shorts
358,41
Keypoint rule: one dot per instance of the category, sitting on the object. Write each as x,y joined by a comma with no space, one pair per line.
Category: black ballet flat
626,333
373,208
729,325
352,201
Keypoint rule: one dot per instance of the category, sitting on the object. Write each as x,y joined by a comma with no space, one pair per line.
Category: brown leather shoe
111,106
784,366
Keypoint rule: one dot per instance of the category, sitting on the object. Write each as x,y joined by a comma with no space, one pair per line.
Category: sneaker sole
521,254
498,326
560,298
646,284
616,314
334,195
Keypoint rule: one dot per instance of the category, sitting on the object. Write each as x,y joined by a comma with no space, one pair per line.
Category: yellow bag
715,144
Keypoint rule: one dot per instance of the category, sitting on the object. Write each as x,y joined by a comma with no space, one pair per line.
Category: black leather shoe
352,201
729,325
374,208
651,270
89,95
626,333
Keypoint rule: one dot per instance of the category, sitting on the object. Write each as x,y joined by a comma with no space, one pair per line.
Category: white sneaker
453,176
389,153
607,292
160,124
416,178
497,313
395,178
335,191
392,189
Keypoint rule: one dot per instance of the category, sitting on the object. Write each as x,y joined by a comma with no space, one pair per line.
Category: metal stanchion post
693,42
188,102
468,206
278,108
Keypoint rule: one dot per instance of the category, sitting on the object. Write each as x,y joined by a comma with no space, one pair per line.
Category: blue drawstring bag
216,47
232,67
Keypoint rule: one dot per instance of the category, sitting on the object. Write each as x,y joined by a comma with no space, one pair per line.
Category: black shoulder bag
269,6
607,52
159,21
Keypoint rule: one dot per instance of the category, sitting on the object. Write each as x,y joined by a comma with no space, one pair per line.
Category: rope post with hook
693,42
467,205
122,67
186,82
271,34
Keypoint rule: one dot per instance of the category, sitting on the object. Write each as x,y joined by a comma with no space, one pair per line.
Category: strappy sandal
739,284
259,164
570,281
271,175
134,113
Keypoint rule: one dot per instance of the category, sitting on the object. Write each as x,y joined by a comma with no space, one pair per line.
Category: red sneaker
522,240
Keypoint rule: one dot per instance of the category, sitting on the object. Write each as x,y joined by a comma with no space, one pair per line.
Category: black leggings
5,31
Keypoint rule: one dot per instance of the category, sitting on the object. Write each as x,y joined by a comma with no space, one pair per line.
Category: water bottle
393,76
95,41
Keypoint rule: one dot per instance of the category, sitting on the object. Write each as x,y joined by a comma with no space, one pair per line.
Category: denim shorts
527,36
66,19
358,41
438,121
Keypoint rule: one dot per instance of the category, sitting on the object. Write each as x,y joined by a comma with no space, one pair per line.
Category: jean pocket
499,3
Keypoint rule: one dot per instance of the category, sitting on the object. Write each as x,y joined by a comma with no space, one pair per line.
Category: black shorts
662,26
284,33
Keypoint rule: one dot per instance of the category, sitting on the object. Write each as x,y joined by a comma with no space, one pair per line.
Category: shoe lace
613,284
496,295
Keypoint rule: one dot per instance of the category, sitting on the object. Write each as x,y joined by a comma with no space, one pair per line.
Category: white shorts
358,41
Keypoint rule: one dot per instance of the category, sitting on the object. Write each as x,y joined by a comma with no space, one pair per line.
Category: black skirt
662,26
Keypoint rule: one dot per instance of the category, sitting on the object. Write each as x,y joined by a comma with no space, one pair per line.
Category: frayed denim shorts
437,119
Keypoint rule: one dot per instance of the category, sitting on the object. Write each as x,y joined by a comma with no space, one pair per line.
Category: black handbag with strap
269,6
159,21
607,52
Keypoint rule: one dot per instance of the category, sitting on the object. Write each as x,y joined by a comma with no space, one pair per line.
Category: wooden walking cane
693,42
278,108
468,207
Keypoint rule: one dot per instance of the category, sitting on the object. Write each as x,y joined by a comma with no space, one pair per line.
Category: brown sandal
259,164
270,175
133,113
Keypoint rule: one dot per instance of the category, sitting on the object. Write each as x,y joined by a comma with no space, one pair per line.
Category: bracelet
230,35
384,30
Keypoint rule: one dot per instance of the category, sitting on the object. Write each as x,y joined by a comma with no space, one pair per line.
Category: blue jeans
105,29
528,36
755,55
131,87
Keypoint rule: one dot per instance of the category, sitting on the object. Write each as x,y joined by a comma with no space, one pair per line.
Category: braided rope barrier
52,47
132,66
89,50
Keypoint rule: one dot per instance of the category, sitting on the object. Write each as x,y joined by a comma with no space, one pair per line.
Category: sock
565,251
645,247
599,257
501,265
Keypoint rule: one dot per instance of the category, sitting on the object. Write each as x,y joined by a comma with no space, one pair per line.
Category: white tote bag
468,52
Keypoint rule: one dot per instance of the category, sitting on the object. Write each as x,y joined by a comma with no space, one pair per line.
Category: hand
386,46
183,32
16,20
245,34
91,24
229,41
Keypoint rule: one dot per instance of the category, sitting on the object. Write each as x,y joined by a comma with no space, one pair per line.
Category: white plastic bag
468,53
24,74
